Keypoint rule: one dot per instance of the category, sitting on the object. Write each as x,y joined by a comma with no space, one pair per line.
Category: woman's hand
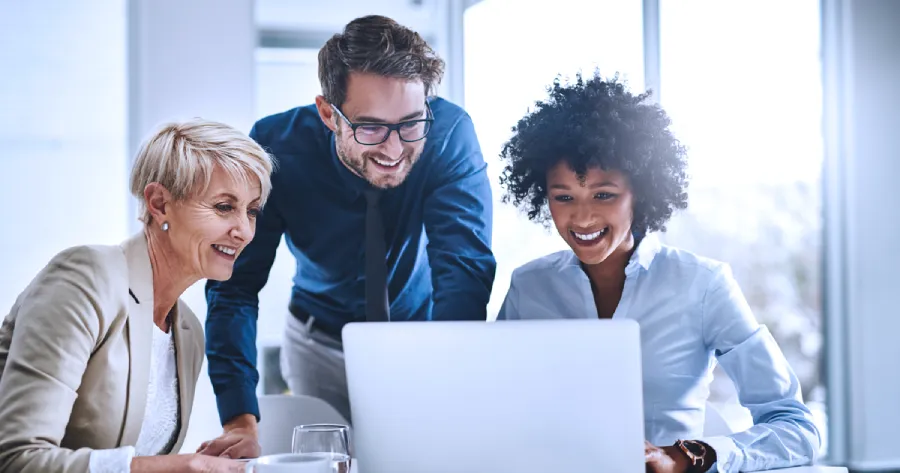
185,463
240,440
208,464
665,459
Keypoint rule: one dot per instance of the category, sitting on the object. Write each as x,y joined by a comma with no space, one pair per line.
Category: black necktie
377,308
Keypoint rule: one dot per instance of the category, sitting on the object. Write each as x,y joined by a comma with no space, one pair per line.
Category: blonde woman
98,357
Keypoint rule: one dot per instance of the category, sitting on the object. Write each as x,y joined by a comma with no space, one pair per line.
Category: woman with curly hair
602,165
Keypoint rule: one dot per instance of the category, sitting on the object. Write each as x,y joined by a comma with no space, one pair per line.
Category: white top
161,416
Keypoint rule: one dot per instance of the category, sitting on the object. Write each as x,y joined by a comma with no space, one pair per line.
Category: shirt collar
647,249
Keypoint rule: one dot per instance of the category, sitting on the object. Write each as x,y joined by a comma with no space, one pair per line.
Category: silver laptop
536,396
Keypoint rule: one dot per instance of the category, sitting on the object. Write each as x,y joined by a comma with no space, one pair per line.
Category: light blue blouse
692,315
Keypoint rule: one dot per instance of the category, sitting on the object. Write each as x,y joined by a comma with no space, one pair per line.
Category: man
382,193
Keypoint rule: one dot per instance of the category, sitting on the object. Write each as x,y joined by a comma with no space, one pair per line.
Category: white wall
439,21
63,180
862,67
190,59
331,16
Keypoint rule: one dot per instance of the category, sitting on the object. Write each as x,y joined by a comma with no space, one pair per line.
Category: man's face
373,99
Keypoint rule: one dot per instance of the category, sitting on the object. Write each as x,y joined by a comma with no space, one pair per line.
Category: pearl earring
165,226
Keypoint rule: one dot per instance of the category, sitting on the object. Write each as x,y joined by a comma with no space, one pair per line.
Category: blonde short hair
182,156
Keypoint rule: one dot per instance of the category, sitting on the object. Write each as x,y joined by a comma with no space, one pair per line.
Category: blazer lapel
140,334
184,353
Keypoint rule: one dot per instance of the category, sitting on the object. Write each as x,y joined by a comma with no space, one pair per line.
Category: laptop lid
532,396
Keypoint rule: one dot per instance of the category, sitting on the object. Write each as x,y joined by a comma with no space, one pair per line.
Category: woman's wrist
709,456
184,463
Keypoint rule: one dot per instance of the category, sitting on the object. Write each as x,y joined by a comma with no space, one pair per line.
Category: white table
813,469
799,469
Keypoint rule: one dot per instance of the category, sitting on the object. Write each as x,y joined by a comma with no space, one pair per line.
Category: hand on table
240,440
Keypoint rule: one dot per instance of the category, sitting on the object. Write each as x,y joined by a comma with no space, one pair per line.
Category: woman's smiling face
593,213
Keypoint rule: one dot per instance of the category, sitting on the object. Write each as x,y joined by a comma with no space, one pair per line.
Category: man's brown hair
376,45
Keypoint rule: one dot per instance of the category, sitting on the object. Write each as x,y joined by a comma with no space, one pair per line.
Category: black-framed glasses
371,134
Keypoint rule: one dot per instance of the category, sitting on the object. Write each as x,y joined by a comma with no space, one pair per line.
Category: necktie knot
373,195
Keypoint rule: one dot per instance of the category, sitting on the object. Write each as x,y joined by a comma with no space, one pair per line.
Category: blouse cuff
114,460
728,456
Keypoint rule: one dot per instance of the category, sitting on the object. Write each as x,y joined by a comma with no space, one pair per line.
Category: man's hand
239,440
665,459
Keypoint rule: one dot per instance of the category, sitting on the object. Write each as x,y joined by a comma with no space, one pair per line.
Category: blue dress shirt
692,314
437,228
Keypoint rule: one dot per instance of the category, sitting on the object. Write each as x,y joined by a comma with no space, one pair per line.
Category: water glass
329,439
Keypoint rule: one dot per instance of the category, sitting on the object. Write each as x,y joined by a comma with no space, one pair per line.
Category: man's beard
361,165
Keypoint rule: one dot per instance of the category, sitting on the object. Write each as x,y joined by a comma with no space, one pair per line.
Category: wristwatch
696,453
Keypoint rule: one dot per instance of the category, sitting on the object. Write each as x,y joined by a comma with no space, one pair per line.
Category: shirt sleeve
114,460
458,214
783,434
232,313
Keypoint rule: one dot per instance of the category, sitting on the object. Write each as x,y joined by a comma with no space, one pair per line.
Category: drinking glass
330,439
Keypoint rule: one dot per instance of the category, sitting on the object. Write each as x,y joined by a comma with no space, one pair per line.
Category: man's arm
233,309
458,217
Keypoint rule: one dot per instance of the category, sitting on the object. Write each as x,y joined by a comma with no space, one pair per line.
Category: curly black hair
590,123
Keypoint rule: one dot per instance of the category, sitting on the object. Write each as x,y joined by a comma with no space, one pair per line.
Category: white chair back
279,414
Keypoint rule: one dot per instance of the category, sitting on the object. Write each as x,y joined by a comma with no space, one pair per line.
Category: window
742,83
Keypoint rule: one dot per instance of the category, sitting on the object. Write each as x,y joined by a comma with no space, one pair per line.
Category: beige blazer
75,359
